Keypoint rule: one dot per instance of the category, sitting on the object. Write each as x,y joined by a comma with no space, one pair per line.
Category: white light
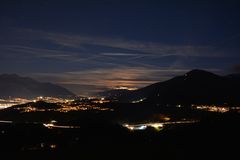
142,127
48,125
53,121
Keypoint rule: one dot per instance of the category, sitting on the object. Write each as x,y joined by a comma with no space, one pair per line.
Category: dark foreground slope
214,138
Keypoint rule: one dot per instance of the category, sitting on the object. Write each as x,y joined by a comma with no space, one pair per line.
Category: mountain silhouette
38,105
194,87
12,85
113,94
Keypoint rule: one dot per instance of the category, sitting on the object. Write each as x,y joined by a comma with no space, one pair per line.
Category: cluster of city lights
101,100
214,108
82,107
62,109
6,103
63,105
53,100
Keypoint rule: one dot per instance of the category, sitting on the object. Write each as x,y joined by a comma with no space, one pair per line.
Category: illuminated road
158,126
50,126
6,121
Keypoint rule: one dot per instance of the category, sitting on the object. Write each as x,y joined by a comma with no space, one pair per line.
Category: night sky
89,46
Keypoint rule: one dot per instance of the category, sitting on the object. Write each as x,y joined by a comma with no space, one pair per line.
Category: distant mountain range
12,85
194,87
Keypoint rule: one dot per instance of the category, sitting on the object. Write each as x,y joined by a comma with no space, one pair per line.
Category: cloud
148,48
93,51
120,54
112,77
91,63
135,77
151,49
26,51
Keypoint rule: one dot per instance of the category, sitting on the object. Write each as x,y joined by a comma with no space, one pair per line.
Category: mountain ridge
15,86
195,86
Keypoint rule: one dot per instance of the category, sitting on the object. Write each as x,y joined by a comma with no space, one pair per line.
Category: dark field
101,136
